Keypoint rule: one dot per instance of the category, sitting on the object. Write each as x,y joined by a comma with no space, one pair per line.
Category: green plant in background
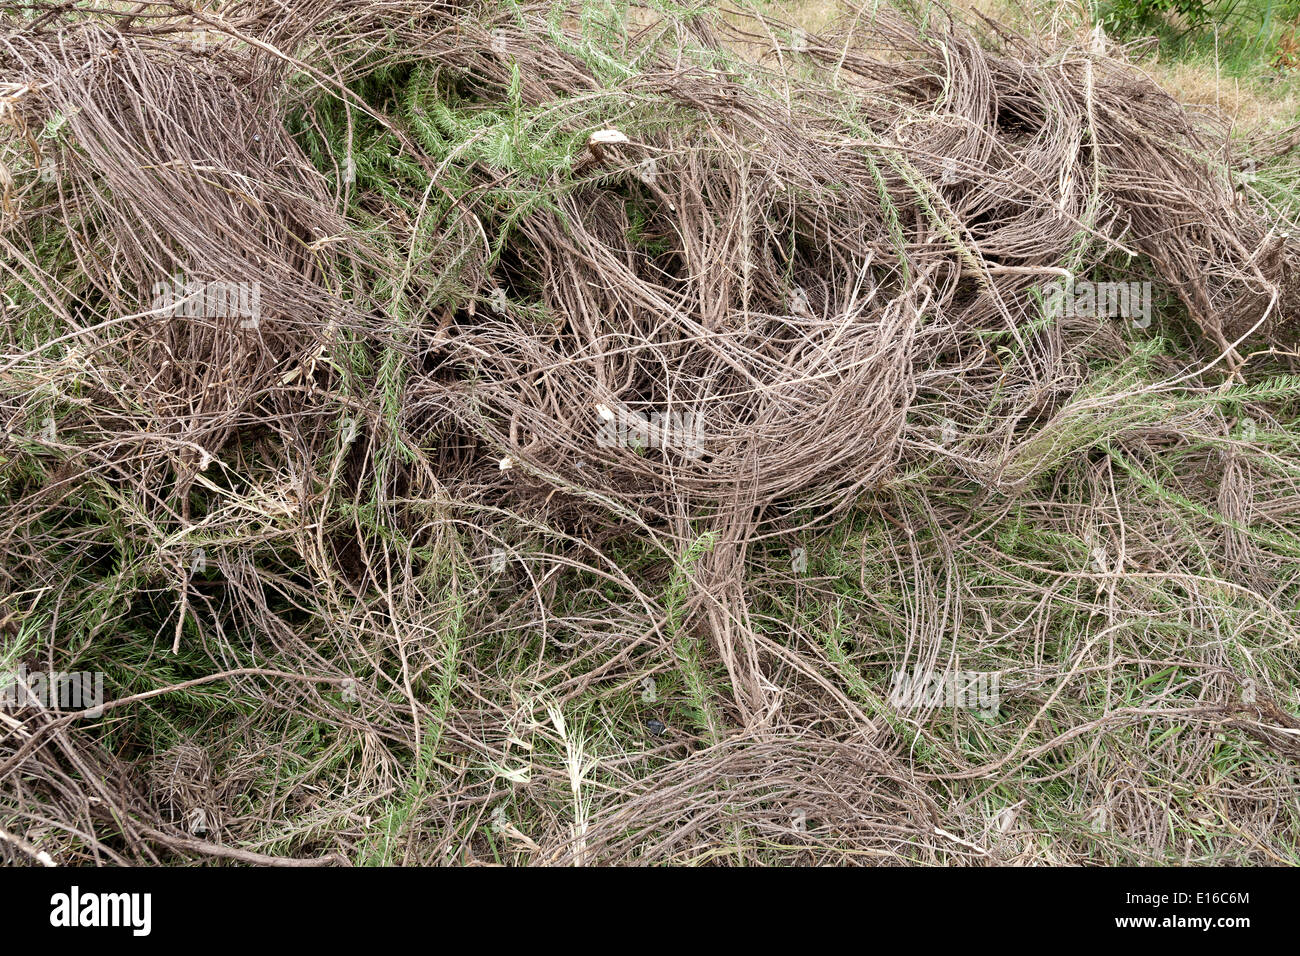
1128,16
1240,35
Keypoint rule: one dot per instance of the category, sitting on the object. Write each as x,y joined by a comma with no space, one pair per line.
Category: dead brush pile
526,433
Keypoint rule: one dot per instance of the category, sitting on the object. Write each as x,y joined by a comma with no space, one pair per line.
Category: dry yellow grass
1248,104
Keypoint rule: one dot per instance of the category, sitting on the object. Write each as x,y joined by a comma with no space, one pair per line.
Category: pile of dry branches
559,352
